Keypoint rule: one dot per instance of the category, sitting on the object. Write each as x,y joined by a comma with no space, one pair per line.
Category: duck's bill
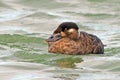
53,38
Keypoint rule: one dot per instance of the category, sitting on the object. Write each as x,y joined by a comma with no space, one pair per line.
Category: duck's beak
53,38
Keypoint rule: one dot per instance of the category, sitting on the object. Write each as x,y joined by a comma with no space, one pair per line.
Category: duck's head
67,29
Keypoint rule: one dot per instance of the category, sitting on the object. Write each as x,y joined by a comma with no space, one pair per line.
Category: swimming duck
67,39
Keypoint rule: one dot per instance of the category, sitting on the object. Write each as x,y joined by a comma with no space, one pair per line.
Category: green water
30,50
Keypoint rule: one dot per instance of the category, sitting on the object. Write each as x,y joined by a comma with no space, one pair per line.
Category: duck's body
64,46
86,44
74,42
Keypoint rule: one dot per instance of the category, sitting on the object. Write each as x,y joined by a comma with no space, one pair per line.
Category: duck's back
90,43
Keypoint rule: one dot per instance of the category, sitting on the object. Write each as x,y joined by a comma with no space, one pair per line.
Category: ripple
99,76
13,15
29,76
14,29
109,58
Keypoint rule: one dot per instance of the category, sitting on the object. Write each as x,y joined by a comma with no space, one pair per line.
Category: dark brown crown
65,26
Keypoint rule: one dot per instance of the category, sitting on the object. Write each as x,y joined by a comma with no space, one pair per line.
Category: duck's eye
64,28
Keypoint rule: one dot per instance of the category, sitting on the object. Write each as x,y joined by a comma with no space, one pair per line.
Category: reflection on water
25,56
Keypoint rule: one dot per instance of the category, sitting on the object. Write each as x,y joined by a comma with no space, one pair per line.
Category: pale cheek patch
71,30
63,34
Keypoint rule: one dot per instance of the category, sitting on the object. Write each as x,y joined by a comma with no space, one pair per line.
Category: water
25,56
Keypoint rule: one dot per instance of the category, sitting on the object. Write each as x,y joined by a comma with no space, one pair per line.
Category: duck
67,39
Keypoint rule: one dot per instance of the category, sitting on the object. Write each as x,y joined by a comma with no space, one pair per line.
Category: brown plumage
67,39
64,46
